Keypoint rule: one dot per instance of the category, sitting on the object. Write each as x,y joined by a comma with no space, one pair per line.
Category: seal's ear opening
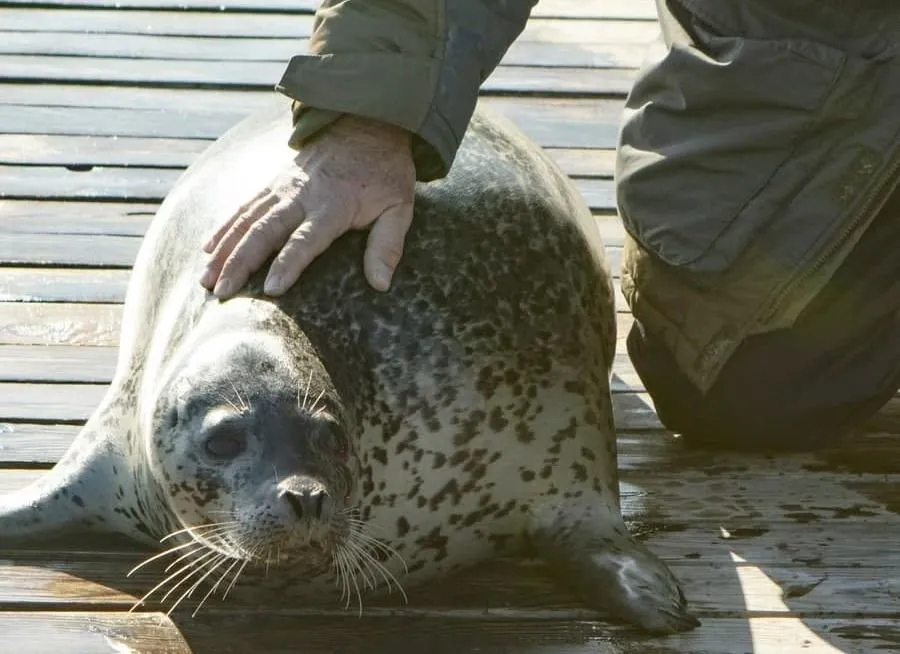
73,500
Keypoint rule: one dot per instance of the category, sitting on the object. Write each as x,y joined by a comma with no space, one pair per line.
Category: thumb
385,245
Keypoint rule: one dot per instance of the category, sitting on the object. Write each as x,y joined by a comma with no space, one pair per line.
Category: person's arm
416,64
383,98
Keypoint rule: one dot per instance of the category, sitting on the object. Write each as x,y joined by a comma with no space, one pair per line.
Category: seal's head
249,444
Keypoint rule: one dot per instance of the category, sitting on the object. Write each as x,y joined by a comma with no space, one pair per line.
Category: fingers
213,240
385,245
307,242
251,241
227,237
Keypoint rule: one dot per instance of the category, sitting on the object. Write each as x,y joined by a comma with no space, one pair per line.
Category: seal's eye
225,442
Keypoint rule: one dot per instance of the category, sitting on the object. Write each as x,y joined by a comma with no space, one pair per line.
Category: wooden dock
102,105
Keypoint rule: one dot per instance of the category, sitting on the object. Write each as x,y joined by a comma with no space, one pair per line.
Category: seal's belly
456,477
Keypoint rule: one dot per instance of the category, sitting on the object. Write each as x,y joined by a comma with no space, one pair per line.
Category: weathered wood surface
103,103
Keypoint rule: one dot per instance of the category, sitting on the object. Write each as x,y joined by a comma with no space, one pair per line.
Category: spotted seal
376,439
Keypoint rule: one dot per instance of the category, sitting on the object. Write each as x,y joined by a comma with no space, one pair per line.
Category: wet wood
264,75
567,125
80,152
49,217
152,184
69,249
602,9
262,25
278,51
59,324
95,632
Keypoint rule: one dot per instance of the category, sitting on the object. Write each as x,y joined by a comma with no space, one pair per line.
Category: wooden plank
552,122
59,324
152,185
86,632
33,445
243,102
132,219
763,635
91,633
57,182
84,151
66,403
276,25
600,9
45,217
264,75
57,363
63,285
584,125
185,49
69,249
80,152
506,588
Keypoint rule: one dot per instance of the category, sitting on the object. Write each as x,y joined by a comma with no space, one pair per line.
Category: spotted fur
455,417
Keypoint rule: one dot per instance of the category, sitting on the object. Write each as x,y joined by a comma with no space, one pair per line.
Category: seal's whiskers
162,554
201,529
212,590
243,404
185,569
234,581
302,404
212,567
373,564
352,567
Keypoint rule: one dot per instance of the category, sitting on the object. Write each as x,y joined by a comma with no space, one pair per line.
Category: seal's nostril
296,503
320,505
307,504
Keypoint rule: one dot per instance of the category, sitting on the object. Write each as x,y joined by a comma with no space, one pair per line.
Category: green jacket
757,144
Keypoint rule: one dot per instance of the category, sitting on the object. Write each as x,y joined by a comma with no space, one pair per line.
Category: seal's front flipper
77,497
587,544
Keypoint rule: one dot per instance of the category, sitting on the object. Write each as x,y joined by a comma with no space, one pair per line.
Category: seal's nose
309,500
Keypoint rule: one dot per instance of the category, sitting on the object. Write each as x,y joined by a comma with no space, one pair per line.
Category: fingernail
206,279
381,277
272,286
222,288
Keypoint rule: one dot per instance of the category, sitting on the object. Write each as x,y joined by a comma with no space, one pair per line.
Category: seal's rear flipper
587,544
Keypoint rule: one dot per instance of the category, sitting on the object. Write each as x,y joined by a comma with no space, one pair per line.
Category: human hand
356,174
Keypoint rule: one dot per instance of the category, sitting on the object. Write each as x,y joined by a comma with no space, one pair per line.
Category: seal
364,438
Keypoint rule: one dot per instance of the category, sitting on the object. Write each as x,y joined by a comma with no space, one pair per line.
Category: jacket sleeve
417,64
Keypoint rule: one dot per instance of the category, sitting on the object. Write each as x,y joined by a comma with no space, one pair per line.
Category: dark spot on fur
380,455
434,540
497,420
76,499
469,428
402,527
580,471
524,433
451,490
